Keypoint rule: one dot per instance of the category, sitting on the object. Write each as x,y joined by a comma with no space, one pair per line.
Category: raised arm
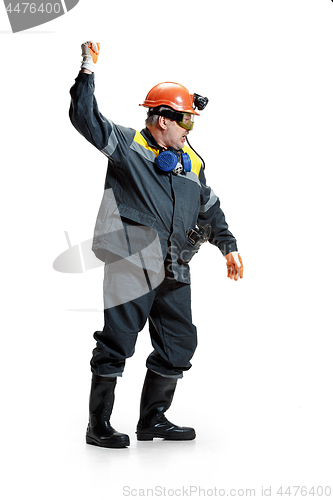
84,113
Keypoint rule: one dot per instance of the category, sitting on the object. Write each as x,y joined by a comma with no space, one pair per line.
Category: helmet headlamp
199,102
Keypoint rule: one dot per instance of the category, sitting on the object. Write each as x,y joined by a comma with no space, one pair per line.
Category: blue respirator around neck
174,161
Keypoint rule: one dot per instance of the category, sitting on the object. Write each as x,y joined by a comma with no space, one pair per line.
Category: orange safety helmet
170,94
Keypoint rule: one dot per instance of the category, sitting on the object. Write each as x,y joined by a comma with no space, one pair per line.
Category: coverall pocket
136,215
138,228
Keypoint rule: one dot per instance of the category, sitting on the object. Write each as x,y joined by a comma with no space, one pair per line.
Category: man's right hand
234,265
90,53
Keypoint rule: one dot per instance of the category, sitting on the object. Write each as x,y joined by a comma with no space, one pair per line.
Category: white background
259,393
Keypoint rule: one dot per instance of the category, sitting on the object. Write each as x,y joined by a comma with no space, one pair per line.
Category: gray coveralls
141,235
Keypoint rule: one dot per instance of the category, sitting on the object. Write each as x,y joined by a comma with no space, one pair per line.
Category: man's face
174,135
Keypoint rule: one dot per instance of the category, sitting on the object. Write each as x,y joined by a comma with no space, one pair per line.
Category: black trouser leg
173,335
99,431
156,398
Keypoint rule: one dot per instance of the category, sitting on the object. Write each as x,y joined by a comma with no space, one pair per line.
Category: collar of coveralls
152,142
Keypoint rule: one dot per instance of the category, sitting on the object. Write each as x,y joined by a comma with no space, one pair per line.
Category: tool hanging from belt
195,238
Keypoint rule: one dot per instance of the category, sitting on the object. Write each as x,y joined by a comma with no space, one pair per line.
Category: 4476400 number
32,8
305,491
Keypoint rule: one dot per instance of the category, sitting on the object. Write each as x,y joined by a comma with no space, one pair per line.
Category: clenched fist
90,53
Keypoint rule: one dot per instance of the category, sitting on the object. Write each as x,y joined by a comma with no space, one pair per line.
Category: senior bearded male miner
155,200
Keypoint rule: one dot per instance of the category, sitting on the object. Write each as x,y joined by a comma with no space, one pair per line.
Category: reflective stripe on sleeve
111,145
212,200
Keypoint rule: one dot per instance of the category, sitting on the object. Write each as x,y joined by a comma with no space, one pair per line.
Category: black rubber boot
99,430
156,398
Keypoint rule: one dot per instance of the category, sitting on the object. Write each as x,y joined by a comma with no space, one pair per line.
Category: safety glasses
187,121
184,120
